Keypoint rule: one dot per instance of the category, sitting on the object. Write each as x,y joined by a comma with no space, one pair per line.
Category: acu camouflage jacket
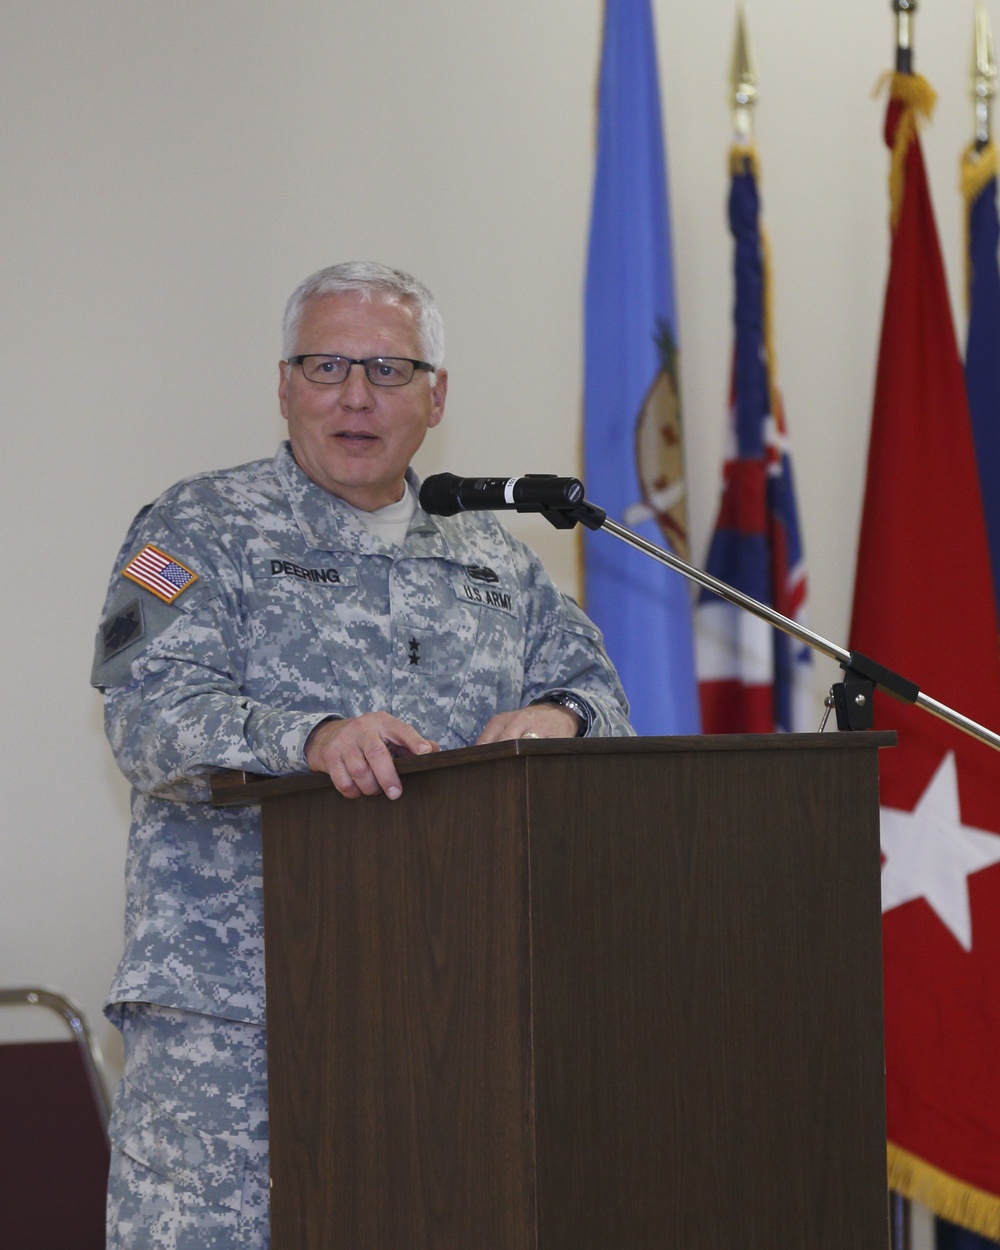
246,606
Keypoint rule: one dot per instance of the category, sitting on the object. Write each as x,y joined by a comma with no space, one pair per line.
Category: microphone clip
587,514
567,518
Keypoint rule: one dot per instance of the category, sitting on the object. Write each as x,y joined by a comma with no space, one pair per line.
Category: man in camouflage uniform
293,614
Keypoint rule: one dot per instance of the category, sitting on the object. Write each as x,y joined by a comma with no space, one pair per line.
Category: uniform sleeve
172,672
565,652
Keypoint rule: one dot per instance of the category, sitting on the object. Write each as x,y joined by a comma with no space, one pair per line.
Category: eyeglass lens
380,370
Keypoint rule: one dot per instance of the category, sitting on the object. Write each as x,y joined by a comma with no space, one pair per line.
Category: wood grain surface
574,999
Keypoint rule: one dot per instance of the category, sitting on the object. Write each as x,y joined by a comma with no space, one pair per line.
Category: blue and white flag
633,433
982,353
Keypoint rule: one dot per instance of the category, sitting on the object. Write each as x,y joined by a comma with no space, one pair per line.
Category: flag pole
744,82
904,9
984,76
900,1222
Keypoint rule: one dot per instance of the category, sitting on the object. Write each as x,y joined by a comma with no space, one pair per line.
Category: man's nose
356,390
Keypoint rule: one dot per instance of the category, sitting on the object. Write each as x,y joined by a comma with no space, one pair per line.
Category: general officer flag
982,381
923,606
633,434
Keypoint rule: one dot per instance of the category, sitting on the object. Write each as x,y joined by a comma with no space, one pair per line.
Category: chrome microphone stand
851,698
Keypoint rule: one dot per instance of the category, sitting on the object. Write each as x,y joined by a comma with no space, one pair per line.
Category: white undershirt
391,522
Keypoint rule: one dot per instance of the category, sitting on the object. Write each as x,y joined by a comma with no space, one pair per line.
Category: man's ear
438,393
283,370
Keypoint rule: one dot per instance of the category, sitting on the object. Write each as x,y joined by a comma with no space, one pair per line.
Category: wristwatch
568,700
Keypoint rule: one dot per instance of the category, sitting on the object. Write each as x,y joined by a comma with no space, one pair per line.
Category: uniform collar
327,524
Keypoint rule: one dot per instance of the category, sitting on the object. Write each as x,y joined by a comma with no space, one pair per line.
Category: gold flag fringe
743,159
946,1196
979,168
918,99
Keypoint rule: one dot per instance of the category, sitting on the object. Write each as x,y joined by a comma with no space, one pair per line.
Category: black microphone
444,494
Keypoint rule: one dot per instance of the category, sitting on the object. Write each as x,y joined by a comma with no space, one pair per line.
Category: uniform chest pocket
468,663
310,628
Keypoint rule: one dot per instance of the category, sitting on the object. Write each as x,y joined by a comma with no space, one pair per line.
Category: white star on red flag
930,853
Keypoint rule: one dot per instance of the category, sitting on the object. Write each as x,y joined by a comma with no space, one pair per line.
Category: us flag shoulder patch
159,573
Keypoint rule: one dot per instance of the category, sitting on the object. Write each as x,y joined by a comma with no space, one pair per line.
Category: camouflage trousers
189,1164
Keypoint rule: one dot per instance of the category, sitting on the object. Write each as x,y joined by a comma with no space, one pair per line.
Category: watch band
572,703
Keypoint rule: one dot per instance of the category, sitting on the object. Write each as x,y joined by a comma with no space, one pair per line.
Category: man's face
355,439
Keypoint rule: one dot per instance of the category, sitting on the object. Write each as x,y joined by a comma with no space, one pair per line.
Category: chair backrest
54,1151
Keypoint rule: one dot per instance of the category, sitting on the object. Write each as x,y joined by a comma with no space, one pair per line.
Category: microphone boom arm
852,698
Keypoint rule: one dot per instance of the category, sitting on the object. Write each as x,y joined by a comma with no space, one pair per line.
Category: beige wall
171,169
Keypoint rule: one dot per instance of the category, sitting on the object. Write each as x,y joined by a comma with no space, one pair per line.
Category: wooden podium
580,995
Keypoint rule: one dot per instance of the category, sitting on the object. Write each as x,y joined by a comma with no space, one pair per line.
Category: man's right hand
357,753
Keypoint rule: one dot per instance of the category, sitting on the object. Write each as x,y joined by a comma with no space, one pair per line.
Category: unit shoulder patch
161,574
124,628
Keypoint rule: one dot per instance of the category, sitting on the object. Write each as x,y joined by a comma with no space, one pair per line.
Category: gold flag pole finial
904,10
984,76
744,81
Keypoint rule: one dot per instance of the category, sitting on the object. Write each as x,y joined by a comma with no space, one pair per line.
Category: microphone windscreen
439,494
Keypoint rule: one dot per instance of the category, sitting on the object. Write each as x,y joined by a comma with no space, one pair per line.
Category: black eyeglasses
379,370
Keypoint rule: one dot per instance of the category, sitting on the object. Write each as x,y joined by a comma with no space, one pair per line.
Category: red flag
923,606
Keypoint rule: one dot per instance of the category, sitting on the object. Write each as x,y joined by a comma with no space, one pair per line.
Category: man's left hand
540,720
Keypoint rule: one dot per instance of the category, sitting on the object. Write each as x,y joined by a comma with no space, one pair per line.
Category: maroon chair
54,1151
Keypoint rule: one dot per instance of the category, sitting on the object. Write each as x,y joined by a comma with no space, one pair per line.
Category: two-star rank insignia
414,651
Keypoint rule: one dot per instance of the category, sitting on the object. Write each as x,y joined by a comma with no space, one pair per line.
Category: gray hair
367,278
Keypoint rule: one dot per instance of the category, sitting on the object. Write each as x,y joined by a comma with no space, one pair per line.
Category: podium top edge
234,788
